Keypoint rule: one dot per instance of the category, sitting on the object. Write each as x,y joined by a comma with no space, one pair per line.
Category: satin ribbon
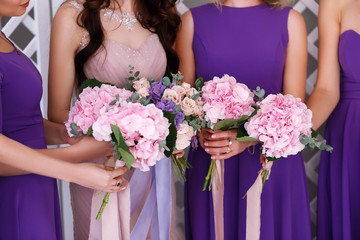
218,199
155,212
253,205
117,210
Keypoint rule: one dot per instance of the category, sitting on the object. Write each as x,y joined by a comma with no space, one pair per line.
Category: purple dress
339,178
250,44
29,204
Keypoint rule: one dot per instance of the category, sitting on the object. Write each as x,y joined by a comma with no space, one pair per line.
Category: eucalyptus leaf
177,108
196,96
136,74
166,81
135,96
74,129
199,83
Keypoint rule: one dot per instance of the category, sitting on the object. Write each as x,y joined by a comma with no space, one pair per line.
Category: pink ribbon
218,199
253,205
115,220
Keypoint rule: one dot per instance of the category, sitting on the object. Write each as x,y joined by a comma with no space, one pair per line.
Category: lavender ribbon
157,207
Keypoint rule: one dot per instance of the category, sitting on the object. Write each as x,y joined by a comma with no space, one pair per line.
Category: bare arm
326,93
294,82
183,47
90,175
65,39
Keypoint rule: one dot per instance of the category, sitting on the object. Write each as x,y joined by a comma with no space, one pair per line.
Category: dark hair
158,16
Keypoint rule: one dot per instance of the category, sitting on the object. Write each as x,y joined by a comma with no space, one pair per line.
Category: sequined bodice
349,57
111,62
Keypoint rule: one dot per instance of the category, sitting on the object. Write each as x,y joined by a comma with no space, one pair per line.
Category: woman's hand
89,148
221,144
99,177
179,153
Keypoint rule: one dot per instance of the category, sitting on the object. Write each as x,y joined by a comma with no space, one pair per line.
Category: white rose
191,92
188,106
186,86
186,129
182,141
143,92
142,83
170,94
180,90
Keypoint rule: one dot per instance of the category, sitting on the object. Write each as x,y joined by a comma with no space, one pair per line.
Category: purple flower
156,91
166,105
180,116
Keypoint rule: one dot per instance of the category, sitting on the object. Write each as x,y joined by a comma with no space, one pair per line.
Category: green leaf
144,101
304,139
196,96
136,73
199,83
208,124
162,144
91,83
171,138
272,159
122,147
241,131
227,123
203,123
314,133
74,129
166,81
90,131
150,79
135,96
177,108
246,139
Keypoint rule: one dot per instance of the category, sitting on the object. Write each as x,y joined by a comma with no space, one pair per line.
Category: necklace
6,40
125,18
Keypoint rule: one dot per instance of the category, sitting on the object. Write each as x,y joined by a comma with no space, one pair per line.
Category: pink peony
90,103
279,123
142,128
225,98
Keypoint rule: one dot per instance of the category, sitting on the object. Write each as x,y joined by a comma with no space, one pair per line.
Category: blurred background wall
31,34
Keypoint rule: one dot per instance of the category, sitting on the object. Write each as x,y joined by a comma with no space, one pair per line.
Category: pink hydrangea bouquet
142,128
89,104
181,101
227,103
282,124
106,112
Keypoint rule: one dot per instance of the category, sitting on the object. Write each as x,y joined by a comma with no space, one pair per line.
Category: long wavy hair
272,3
158,16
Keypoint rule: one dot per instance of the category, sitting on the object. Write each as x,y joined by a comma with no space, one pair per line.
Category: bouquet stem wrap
218,199
253,203
112,214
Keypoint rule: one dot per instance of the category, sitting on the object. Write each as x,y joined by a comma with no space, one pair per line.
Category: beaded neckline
125,18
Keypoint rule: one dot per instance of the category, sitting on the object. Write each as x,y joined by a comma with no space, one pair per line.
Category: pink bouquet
282,124
143,128
89,104
107,113
227,103
182,104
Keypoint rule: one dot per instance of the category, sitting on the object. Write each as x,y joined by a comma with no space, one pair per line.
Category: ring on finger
118,184
230,143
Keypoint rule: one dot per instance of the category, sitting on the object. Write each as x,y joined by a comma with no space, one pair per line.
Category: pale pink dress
111,64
